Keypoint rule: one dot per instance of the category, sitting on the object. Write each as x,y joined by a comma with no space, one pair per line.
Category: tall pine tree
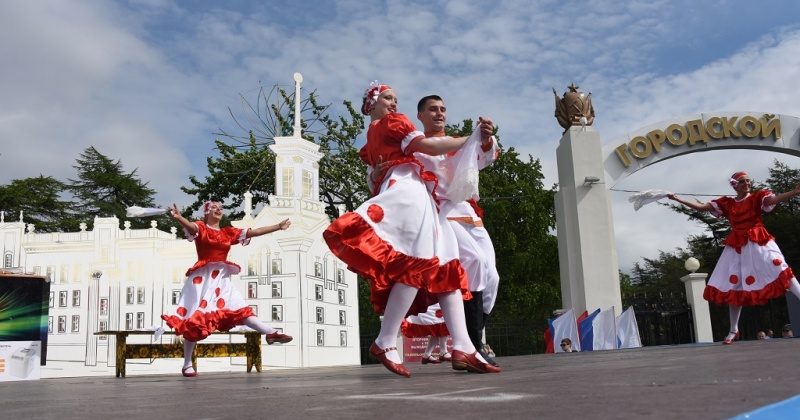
39,200
103,189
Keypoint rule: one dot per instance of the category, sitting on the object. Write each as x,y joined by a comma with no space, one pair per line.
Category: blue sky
149,82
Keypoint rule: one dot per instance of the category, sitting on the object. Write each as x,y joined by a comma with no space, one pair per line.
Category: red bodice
385,139
212,245
745,218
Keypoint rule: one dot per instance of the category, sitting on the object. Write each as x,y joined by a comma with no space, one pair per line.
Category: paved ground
705,381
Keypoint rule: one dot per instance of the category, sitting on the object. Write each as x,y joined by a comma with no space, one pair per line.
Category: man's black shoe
486,357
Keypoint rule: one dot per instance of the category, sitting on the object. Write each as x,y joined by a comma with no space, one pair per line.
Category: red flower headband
371,95
207,207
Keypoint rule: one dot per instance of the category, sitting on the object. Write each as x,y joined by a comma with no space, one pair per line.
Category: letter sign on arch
699,133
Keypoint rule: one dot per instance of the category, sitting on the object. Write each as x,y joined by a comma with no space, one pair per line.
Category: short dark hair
566,341
421,103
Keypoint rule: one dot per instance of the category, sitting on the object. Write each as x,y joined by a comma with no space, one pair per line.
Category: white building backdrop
113,277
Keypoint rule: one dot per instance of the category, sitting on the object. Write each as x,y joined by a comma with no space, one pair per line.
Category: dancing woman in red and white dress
398,240
751,269
429,324
209,301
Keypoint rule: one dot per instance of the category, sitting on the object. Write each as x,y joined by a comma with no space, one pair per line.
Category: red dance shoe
431,359
277,337
191,374
470,363
379,354
732,336
447,357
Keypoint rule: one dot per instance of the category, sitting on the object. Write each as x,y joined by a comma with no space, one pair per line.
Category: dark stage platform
708,381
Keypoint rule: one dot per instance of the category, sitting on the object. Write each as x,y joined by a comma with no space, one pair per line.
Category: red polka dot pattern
734,279
750,280
203,303
221,303
391,182
217,291
439,313
181,311
777,261
375,213
214,274
197,280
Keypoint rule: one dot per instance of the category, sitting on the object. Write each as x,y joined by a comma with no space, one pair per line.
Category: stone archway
586,245
679,136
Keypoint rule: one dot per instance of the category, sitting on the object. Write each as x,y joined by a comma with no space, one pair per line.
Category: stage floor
708,381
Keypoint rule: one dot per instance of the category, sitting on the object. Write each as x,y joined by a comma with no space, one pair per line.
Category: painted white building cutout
109,278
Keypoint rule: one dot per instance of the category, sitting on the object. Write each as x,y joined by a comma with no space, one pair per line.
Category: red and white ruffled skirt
750,277
208,302
399,236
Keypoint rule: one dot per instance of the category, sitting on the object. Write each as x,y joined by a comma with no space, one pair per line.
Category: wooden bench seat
250,349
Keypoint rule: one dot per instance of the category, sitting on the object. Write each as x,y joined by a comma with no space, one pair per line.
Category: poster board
24,311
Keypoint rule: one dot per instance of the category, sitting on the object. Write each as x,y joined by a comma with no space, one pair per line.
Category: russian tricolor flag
599,330
563,326
628,330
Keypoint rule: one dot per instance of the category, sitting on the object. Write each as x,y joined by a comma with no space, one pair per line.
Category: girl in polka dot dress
751,269
399,241
431,325
209,301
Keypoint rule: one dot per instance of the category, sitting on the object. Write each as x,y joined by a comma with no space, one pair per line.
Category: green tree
103,189
234,171
342,173
40,201
519,214
661,275
245,162
784,221
625,284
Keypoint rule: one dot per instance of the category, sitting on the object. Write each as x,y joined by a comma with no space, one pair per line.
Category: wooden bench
250,349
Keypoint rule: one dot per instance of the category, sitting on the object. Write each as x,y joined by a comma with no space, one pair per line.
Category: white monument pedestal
587,250
701,316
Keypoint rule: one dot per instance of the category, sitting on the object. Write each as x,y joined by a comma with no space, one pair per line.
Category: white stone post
248,206
701,316
587,251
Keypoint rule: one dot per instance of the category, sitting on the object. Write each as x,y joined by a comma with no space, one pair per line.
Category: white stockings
400,299
188,350
735,311
252,322
432,341
443,346
258,325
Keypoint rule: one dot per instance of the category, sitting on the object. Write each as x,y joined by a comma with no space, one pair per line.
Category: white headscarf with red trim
734,181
